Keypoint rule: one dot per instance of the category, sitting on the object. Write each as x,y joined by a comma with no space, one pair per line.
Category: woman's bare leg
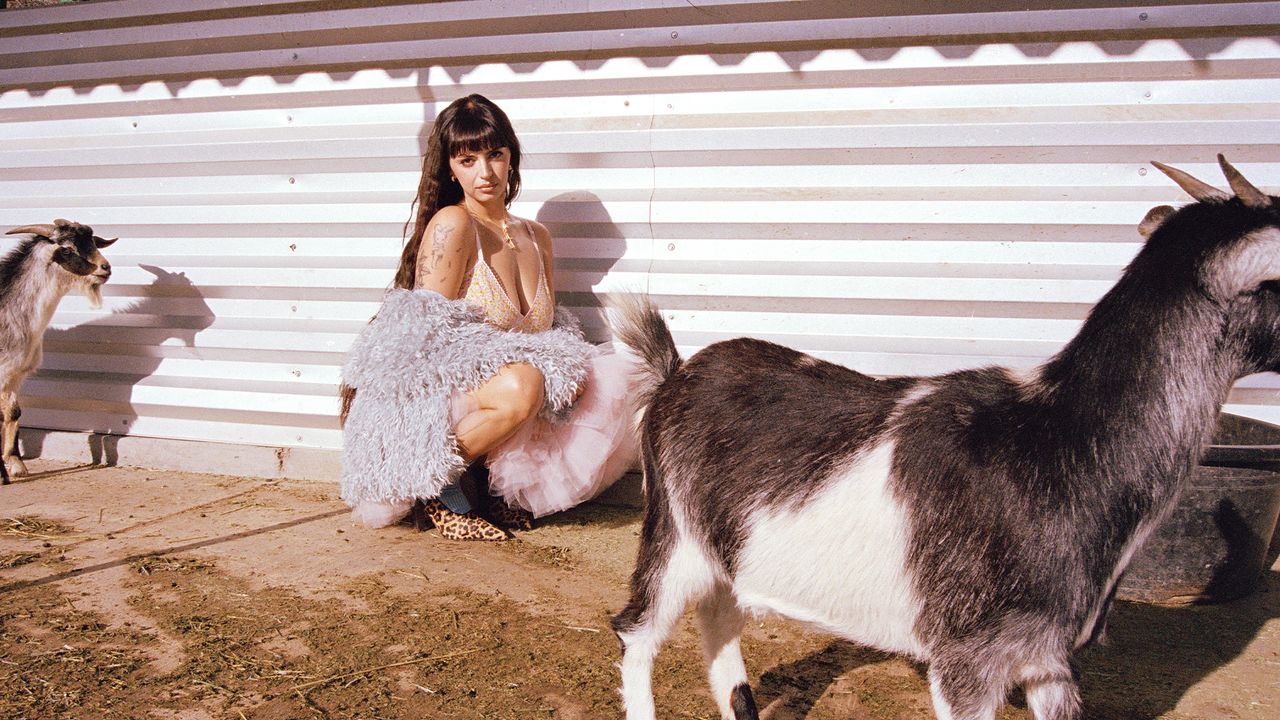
505,402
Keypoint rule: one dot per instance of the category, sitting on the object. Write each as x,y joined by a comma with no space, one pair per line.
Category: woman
478,346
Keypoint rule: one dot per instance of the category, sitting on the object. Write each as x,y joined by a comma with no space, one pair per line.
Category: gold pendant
506,235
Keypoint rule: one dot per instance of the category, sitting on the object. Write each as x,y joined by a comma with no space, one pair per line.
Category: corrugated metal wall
889,185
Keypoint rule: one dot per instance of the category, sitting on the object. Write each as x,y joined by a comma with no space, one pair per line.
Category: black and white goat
33,278
979,520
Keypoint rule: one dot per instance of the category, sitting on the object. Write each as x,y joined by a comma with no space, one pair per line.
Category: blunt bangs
473,133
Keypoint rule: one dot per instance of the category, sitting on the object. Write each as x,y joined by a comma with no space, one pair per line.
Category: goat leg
720,623
9,437
1052,689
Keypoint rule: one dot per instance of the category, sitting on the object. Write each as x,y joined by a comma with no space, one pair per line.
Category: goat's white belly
838,561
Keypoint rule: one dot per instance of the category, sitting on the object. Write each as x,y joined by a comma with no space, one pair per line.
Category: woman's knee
518,391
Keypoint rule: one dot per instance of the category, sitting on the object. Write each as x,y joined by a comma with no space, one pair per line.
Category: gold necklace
505,224
506,233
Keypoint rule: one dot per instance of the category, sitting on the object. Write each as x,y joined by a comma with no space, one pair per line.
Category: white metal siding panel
887,185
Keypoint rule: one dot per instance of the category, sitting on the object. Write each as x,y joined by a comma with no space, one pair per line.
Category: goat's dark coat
1024,495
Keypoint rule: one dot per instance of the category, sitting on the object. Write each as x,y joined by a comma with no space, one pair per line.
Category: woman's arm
445,253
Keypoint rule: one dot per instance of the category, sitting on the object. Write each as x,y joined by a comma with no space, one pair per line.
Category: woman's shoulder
450,227
538,230
455,215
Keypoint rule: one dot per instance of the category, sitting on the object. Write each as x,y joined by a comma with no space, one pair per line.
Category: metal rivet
674,35
1142,171
292,181
1142,17
671,246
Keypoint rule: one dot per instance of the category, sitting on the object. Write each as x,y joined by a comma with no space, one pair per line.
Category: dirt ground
132,593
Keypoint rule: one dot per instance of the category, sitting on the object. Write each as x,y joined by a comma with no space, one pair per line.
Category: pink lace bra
484,290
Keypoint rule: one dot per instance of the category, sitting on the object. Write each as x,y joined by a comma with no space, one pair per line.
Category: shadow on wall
171,308
580,219
318,55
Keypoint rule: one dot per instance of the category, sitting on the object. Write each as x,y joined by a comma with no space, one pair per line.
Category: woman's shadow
588,247
171,307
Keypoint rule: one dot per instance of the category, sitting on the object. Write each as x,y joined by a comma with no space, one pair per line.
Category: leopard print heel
453,526
506,516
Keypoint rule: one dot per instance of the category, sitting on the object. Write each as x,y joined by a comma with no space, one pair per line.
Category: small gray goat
978,521
33,279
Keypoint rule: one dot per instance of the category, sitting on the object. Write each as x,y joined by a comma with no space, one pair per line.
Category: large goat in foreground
33,278
978,521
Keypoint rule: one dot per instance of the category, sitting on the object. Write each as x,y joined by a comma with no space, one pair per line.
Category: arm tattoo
429,262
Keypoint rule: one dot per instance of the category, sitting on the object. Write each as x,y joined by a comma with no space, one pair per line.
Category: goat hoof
15,466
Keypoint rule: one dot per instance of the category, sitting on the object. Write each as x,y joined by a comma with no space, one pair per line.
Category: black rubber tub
1221,537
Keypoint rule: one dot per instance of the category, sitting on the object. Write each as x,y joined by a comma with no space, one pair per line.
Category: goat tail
640,326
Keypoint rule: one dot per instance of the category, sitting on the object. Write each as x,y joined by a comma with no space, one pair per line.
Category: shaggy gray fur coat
398,443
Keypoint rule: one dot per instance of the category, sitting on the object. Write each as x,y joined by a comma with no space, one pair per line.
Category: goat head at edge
47,230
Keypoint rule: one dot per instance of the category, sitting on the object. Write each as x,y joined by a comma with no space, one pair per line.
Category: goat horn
100,243
1197,189
1248,194
44,230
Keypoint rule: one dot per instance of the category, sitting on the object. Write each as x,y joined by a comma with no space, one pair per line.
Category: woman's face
482,174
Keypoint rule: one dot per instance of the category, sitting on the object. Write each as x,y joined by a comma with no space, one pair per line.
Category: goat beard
92,289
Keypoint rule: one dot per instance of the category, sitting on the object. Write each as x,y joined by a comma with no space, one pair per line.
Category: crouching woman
469,363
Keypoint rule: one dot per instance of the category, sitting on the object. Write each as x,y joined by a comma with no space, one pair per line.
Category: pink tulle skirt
544,467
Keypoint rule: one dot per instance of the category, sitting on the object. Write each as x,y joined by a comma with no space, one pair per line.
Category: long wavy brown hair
470,124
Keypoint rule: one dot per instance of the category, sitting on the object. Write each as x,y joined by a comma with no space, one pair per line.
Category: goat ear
1154,217
1197,189
41,230
1248,194
100,243
1253,260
